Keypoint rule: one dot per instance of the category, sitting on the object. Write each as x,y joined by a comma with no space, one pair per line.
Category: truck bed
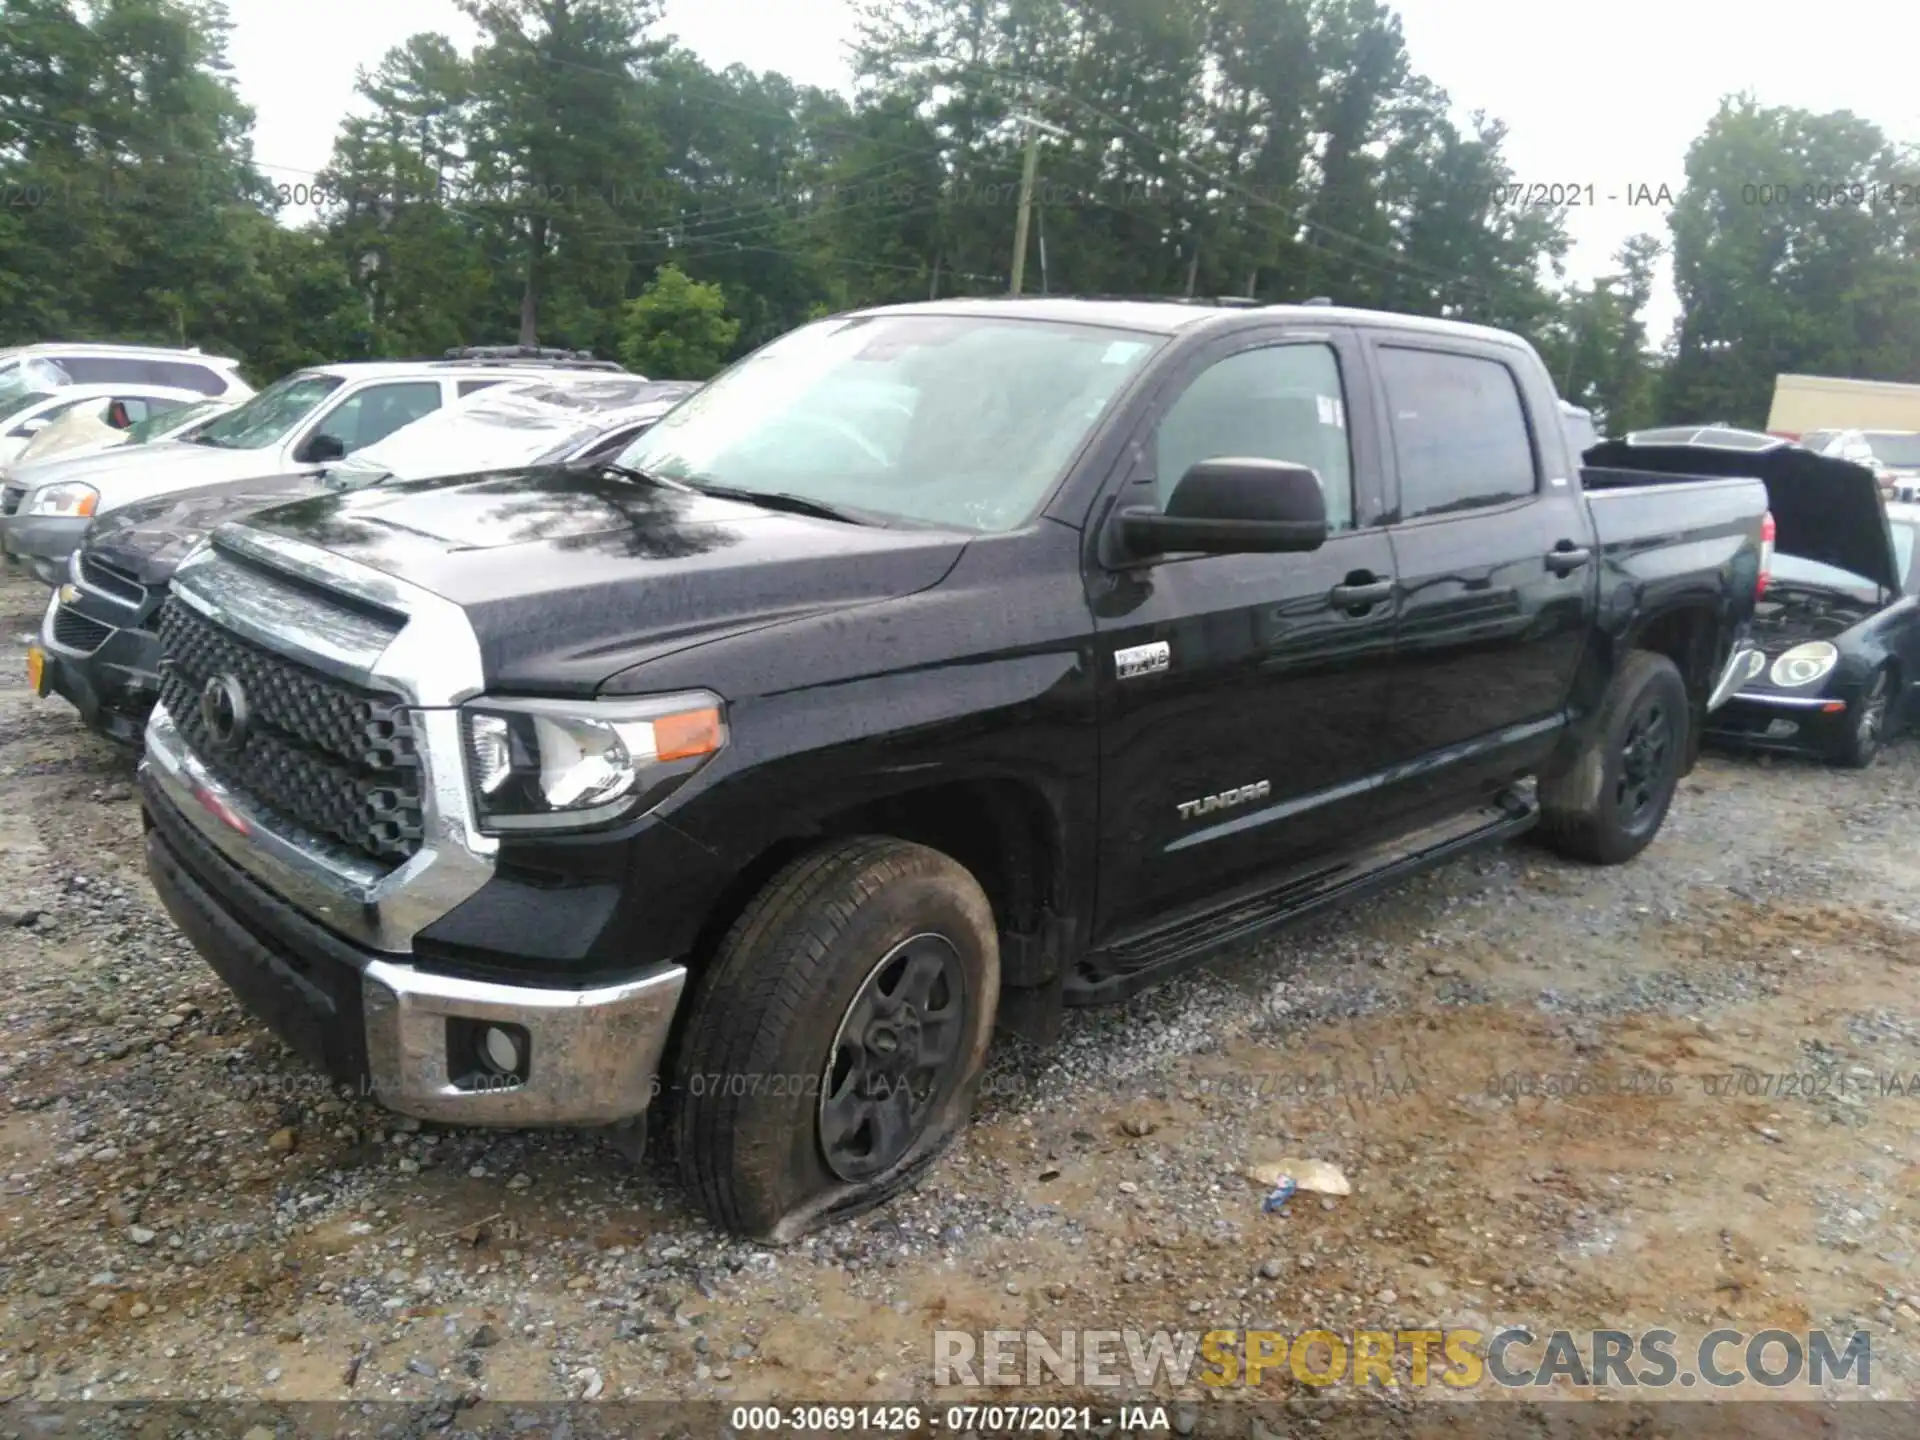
1641,511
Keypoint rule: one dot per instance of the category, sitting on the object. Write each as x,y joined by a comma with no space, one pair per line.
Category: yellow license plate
37,669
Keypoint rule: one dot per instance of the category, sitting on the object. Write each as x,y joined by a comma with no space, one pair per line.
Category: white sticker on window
1121,351
1333,411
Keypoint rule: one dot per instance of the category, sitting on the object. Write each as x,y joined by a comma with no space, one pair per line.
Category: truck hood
148,538
1824,509
570,576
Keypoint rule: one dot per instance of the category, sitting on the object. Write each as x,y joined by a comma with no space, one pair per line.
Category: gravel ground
186,1212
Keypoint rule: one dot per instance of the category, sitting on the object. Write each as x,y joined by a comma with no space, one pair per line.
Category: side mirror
1232,507
324,449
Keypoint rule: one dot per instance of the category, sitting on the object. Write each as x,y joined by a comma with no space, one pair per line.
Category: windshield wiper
633,472
793,504
347,479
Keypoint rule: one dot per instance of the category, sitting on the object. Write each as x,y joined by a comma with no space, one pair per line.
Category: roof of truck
1171,315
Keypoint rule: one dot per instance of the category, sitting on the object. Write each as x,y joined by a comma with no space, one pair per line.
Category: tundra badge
1226,800
1142,660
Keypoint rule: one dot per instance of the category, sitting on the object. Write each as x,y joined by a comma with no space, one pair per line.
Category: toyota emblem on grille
223,709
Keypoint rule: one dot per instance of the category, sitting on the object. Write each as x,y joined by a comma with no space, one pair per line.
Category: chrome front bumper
594,1055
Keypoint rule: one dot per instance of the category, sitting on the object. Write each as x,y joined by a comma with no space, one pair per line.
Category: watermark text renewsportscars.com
1452,1359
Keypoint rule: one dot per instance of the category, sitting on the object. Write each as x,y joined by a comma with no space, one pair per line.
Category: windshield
1901,451
168,421
942,419
269,416
18,403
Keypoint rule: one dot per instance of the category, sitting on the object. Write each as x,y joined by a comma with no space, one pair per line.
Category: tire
1871,718
762,1086
1607,806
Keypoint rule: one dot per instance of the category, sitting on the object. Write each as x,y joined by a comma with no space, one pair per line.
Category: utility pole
1040,219
1034,127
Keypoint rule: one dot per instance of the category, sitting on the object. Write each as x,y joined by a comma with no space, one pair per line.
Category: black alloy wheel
1646,760
899,1047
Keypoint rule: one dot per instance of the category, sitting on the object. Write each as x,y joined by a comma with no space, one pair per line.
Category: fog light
500,1050
1782,730
485,1055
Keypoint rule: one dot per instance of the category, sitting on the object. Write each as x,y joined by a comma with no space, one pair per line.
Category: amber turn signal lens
683,736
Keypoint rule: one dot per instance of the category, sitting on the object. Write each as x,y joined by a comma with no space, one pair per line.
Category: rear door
1493,549
1242,695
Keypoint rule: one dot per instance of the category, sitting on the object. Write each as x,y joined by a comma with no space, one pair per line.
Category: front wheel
1608,805
1868,731
835,1045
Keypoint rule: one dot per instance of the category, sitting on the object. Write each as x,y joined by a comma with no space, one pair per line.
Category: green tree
676,328
554,129
141,209
1779,267
390,203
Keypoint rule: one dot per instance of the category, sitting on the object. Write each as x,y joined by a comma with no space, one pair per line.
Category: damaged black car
1836,669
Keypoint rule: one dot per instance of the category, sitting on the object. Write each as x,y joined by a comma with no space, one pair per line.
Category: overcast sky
1602,96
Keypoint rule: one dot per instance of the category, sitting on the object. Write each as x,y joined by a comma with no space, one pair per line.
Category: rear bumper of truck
417,1041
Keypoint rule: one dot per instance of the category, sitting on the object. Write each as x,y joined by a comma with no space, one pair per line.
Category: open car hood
1823,509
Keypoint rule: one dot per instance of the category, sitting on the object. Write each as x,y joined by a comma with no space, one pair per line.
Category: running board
1145,959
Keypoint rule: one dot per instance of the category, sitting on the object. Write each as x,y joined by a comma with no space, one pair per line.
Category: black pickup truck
936,667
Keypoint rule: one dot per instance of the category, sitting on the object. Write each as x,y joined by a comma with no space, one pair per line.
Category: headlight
558,764
1804,664
70,499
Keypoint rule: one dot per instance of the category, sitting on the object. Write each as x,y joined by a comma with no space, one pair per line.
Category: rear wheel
1872,713
1608,805
835,1045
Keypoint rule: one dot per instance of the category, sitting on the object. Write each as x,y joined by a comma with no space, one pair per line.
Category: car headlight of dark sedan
1804,664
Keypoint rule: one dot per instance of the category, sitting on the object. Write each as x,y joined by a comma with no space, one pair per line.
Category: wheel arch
1006,831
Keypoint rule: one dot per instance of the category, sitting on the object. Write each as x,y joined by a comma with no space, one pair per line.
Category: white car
24,416
24,367
299,425
83,430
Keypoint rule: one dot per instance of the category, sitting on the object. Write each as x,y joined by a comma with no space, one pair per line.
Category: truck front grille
78,632
330,757
111,580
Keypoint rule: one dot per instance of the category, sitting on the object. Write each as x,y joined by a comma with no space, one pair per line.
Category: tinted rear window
1459,431
143,370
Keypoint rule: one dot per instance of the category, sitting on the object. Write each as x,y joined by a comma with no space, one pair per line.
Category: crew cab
935,667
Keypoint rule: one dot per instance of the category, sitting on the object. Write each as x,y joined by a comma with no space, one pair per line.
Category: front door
1242,695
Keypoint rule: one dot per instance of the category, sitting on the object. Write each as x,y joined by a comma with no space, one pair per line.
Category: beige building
1802,403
